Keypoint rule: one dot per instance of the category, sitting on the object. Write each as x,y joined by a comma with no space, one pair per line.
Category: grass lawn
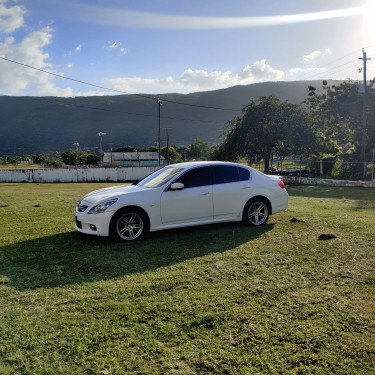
219,299
22,166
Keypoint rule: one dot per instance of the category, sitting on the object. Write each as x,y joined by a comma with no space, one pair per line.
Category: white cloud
314,55
260,71
197,80
18,79
203,79
115,46
29,51
48,89
311,56
14,77
69,66
11,18
77,49
290,73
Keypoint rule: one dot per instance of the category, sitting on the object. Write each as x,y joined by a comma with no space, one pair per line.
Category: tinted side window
196,177
223,175
244,174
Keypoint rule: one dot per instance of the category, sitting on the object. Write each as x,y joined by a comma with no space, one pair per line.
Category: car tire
256,212
128,224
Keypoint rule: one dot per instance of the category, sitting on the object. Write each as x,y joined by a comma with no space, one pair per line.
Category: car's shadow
73,258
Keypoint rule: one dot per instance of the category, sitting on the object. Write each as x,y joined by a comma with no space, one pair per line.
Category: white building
132,159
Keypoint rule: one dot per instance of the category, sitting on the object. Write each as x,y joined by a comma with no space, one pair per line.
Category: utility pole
364,114
166,129
110,145
159,103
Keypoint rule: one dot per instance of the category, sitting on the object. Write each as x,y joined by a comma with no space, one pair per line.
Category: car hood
111,192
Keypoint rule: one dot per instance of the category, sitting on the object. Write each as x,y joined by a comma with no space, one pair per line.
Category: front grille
81,207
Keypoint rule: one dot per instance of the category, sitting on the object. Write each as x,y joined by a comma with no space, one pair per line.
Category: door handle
205,192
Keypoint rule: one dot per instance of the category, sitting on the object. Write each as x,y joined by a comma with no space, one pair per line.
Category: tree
40,158
92,159
338,117
173,154
69,157
267,128
199,149
125,149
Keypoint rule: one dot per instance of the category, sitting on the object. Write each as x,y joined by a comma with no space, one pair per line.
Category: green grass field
219,299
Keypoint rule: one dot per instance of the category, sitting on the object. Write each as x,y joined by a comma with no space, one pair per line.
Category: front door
191,204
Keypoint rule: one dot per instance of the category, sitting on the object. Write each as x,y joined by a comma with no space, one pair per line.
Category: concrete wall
327,182
132,174
76,174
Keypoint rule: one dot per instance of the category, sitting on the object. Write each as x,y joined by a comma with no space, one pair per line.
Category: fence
323,169
76,174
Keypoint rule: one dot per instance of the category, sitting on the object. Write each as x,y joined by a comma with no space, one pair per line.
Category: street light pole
158,102
101,135
76,145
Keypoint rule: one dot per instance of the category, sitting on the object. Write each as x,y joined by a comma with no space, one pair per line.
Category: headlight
101,207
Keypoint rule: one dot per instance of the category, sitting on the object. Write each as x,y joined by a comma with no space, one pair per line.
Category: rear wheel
256,212
129,224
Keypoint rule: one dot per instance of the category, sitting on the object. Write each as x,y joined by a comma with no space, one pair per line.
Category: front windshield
160,177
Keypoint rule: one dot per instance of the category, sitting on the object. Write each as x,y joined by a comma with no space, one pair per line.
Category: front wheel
129,224
256,212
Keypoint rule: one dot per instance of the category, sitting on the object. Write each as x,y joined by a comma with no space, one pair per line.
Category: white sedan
182,195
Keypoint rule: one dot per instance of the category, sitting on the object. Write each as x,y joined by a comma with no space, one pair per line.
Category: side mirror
177,186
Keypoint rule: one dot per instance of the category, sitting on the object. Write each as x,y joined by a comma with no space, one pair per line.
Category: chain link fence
345,168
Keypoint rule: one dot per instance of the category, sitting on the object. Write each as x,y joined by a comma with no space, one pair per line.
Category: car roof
193,164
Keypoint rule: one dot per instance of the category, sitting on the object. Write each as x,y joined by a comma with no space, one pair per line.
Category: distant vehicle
182,195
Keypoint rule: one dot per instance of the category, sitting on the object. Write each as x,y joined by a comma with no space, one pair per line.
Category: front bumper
94,224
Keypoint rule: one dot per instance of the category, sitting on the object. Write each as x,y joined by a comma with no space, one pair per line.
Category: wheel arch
130,207
262,197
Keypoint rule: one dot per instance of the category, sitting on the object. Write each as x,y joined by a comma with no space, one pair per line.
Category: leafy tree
267,128
338,118
69,157
40,158
92,159
173,154
199,149
15,159
72,157
125,149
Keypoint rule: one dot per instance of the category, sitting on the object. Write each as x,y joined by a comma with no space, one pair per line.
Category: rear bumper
280,203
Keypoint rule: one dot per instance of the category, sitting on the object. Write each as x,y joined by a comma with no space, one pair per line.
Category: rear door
231,190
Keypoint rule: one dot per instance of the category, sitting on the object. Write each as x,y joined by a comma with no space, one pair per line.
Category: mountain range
49,124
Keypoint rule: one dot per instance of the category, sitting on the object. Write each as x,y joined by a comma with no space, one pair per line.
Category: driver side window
196,177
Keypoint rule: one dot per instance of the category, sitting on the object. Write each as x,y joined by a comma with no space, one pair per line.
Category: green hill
48,124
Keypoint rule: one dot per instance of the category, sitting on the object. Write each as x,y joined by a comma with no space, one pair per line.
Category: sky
108,47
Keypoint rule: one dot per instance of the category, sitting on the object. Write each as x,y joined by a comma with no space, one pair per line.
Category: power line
117,111
307,75
114,90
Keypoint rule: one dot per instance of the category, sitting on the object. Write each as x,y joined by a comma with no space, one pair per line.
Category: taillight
281,184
